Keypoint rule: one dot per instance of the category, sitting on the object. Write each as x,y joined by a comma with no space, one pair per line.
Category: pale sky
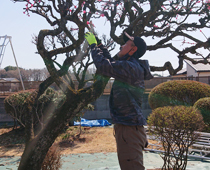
21,27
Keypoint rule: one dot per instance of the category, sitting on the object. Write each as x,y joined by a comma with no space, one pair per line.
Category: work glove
91,39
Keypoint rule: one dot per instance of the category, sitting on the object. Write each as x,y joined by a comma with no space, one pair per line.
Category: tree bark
36,150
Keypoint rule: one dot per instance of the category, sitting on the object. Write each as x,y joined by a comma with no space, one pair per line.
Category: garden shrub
178,92
13,105
174,126
203,105
17,103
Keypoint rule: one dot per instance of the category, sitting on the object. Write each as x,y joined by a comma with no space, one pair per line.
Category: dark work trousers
130,144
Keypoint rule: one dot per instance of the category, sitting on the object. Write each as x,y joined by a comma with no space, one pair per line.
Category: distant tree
38,74
3,73
45,74
11,68
26,74
12,74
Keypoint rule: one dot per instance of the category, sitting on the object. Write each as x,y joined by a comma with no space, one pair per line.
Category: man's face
129,47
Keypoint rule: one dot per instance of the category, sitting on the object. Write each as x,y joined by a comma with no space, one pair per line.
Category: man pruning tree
126,96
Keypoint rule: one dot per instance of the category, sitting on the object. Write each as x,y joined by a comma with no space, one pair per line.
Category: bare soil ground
91,140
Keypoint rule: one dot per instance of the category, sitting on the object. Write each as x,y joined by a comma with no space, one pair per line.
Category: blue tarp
93,123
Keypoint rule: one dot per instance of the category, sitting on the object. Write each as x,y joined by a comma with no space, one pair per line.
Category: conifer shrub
16,105
203,105
175,127
178,92
13,105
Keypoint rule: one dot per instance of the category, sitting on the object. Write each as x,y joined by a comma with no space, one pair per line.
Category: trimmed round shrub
204,106
176,117
175,127
178,92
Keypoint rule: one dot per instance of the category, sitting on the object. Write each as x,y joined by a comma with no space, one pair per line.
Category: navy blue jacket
128,87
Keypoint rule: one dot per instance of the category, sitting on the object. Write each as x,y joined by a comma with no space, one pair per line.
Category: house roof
9,79
200,67
183,71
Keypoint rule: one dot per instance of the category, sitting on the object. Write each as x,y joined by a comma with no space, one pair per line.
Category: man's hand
91,39
98,41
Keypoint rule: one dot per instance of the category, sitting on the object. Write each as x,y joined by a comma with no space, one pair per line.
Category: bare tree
27,74
163,20
38,74
15,74
3,73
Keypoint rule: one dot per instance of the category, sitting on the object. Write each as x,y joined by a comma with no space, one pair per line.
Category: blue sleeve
120,70
105,52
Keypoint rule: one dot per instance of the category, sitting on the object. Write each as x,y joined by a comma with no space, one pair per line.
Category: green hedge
16,104
178,92
13,105
204,106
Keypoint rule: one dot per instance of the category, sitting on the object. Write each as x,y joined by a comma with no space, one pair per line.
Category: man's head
128,48
134,46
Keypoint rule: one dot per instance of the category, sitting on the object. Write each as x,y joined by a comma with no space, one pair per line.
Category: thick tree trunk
38,147
36,151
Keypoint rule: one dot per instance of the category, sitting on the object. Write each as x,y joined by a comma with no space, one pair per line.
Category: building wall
191,71
204,74
101,106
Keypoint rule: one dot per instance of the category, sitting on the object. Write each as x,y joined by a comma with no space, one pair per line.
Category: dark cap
139,43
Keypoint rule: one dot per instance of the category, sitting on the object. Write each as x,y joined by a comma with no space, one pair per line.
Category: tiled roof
183,71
